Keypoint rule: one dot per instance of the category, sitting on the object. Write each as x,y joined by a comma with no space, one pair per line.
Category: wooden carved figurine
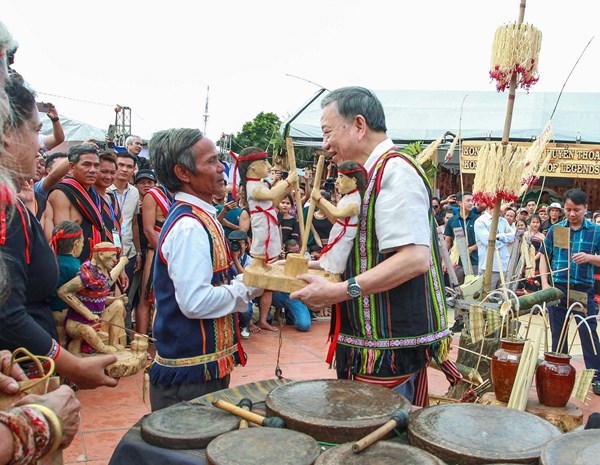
351,183
67,242
89,303
254,167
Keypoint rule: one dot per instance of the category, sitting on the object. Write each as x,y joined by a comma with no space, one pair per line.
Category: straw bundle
450,151
515,51
428,153
506,173
528,253
454,253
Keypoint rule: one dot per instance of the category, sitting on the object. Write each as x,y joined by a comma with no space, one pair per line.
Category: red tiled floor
107,413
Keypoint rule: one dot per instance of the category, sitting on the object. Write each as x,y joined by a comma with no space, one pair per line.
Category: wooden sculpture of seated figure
266,241
351,183
89,302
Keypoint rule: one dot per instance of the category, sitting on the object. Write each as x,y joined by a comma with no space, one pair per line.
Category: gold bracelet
54,422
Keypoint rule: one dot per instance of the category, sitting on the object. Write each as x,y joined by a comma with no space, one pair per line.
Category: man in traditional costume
391,317
74,198
196,324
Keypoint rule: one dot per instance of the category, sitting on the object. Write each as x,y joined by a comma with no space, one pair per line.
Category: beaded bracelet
31,433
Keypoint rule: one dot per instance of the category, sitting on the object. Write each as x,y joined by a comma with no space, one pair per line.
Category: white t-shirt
129,204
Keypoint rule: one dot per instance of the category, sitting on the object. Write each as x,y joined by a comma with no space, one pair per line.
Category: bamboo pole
313,203
292,162
489,263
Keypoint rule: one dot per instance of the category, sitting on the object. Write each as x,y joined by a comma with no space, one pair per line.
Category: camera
104,145
284,174
235,246
329,185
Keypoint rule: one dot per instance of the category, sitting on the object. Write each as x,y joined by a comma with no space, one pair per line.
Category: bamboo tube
313,204
292,162
515,395
531,368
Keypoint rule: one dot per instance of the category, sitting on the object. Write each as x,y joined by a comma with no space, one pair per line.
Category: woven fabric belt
198,360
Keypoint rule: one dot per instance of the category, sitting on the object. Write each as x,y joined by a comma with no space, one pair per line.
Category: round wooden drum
186,426
473,434
380,453
261,446
573,448
334,411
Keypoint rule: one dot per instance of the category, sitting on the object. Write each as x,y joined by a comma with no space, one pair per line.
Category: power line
76,99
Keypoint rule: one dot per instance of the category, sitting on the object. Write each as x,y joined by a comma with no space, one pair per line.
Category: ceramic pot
505,363
554,379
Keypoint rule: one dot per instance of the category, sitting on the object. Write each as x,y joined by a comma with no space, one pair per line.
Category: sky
159,57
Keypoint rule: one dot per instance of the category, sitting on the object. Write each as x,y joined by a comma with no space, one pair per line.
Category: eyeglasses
436,206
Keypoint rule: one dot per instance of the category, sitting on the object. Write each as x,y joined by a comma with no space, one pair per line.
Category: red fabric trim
389,383
421,397
61,235
334,337
161,200
344,225
270,218
106,249
27,242
359,170
236,157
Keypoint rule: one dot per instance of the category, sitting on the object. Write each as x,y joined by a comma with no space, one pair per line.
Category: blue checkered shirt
585,239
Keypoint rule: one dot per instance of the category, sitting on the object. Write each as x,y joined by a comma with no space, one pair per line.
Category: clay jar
554,379
505,363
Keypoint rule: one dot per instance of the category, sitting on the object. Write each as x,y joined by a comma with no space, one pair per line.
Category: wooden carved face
259,169
345,183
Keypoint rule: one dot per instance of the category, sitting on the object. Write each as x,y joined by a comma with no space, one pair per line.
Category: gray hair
130,139
173,147
353,101
76,151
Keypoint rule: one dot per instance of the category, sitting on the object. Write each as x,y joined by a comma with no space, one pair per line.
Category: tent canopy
74,130
426,115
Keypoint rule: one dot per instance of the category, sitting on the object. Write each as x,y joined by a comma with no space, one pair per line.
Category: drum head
473,434
186,426
334,411
573,448
380,453
261,446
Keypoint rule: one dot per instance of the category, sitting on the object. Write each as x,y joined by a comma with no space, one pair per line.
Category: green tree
261,132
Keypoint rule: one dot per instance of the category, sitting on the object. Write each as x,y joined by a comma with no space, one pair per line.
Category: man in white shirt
197,297
505,235
392,318
128,198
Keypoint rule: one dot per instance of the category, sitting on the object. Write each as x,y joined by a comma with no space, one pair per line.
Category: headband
236,157
358,170
60,234
105,249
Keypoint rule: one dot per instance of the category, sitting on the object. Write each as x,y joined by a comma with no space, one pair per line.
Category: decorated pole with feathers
505,138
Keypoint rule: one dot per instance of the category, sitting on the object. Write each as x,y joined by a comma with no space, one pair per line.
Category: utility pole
206,110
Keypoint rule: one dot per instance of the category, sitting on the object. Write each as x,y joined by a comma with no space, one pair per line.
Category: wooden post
292,162
489,263
313,203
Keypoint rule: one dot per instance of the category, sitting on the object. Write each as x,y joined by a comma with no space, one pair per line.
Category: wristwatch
354,289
